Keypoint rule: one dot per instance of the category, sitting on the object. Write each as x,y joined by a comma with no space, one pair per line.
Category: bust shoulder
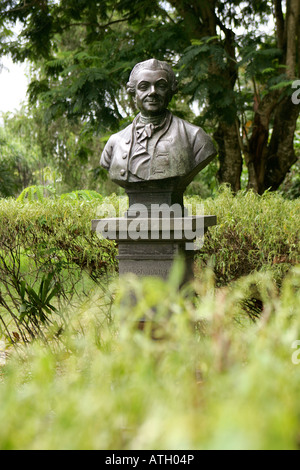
187,125
125,133
194,134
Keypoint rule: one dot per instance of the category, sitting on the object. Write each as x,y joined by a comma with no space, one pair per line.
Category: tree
269,159
21,159
269,67
84,51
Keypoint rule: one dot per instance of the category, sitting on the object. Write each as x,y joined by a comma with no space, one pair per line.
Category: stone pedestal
155,229
148,246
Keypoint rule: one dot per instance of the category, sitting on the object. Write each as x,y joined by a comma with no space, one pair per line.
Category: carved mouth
152,101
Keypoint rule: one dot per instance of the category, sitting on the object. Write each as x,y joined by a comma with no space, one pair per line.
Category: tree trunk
230,157
200,21
299,45
292,24
268,162
257,150
280,26
281,154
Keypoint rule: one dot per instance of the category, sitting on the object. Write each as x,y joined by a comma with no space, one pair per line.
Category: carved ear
130,89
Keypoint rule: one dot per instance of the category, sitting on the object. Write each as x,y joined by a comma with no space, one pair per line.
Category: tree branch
292,22
279,23
100,26
42,3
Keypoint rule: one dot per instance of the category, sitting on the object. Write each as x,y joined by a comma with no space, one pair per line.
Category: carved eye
143,86
162,85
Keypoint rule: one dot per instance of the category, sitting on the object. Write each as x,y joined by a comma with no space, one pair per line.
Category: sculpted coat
177,149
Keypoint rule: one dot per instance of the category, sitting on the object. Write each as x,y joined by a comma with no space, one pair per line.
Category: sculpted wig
152,64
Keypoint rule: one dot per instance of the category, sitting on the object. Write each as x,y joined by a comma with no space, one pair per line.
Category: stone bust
157,145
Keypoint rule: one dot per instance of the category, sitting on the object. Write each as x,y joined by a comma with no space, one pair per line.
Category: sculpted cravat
139,164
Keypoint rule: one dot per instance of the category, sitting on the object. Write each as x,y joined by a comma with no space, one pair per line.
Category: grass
212,379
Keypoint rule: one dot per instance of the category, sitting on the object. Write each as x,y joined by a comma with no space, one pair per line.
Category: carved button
124,156
123,172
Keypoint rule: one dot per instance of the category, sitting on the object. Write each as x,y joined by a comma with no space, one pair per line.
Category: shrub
253,233
48,253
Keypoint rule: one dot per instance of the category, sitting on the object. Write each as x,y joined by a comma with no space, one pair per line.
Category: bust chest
169,150
169,157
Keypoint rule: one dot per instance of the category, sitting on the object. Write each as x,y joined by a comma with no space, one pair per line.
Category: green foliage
84,79
260,56
16,163
8,183
205,184
33,193
214,380
82,195
39,193
48,256
82,53
48,159
254,233
53,236
200,82
290,187
36,306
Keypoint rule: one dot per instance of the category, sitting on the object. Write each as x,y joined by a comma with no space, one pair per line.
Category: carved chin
153,107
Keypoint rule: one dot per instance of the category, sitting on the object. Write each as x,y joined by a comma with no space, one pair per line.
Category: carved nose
152,91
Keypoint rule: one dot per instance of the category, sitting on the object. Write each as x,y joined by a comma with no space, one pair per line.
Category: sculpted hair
152,64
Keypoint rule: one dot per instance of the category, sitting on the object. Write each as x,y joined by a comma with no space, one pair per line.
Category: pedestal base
149,246
154,259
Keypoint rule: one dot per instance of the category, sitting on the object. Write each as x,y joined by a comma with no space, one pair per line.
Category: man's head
152,83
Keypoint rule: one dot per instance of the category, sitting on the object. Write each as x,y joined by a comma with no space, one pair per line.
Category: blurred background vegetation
236,63
216,367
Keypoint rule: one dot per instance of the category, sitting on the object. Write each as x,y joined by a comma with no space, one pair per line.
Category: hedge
49,255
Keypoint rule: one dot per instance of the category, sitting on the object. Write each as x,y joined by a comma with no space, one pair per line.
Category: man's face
152,92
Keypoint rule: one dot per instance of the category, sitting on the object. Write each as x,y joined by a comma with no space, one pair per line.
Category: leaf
268,70
283,84
45,286
52,294
33,296
22,289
